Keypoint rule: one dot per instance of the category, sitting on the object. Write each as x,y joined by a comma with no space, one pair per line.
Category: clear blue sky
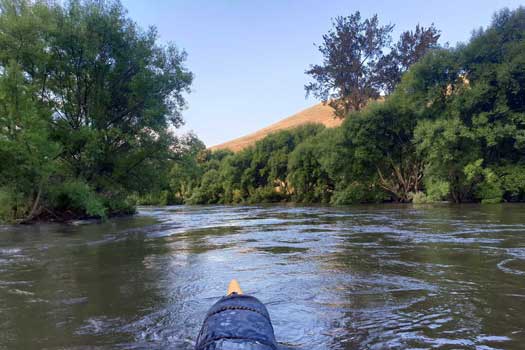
249,56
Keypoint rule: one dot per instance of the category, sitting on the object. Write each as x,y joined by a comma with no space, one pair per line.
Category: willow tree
111,91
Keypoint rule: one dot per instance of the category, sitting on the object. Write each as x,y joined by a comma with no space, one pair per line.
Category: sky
249,57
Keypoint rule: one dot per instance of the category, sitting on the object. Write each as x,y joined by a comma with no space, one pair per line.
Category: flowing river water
367,277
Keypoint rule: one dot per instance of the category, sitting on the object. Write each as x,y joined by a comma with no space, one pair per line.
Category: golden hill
319,113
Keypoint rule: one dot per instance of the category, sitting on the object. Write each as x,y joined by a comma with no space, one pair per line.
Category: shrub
77,198
13,205
236,196
357,192
490,190
420,198
154,198
210,191
485,182
436,190
120,205
512,182
266,194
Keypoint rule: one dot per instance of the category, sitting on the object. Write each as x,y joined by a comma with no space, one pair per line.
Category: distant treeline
452,129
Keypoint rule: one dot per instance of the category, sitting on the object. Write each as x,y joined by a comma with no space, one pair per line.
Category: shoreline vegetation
87,100
451,129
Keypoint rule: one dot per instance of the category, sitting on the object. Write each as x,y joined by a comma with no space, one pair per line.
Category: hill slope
319,113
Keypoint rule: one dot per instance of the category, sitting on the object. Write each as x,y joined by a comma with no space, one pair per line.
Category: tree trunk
34,209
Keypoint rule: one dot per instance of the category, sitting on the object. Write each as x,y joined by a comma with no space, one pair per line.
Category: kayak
237,321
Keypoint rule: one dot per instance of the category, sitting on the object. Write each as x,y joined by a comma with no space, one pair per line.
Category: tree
356,67
453,128
380,148
477,94
348,77
27,156
447,147
410,48
309,181
110,90
186,172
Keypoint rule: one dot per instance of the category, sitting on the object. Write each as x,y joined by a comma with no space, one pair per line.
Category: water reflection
382,277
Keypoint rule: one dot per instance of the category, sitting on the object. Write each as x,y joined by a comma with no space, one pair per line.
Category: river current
364,277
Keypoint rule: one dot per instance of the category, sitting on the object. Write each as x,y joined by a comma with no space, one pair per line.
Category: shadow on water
368,277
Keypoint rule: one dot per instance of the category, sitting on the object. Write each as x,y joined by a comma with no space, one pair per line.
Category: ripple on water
361,278
99,325
505,266
514,265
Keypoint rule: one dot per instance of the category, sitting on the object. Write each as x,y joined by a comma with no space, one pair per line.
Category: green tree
475,122
310,183
187,171
352,49
359,64
447,146
411,47
110,91
380,148
27,156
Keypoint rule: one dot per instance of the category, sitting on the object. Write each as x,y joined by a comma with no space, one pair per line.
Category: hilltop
319,113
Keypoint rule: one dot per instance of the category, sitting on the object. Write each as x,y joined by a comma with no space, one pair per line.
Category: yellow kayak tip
234,288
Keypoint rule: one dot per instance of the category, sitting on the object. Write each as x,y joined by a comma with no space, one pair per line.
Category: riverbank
82,220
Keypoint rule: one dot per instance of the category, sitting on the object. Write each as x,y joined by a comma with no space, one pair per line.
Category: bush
13,206
120,205
490,190
154,198
485,182
266,195
420,198
210,191
236,196
351,194
512,182
77,198
357,192
436,190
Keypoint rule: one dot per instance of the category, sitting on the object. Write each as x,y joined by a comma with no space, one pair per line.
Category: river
365,277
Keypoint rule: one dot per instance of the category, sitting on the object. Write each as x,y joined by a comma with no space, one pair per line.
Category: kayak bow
237,321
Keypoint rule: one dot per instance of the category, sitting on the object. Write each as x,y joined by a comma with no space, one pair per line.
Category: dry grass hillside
319,113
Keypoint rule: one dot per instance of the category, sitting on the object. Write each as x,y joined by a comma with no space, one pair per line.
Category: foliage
448,147
473,117
486,185
210,189
266,194
512,179
381,147
436,190
309,180
351,52
256,174
76,198
452,129
411,47
186,172
419,198
27,156
13,205
358,192
355,67
86,97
